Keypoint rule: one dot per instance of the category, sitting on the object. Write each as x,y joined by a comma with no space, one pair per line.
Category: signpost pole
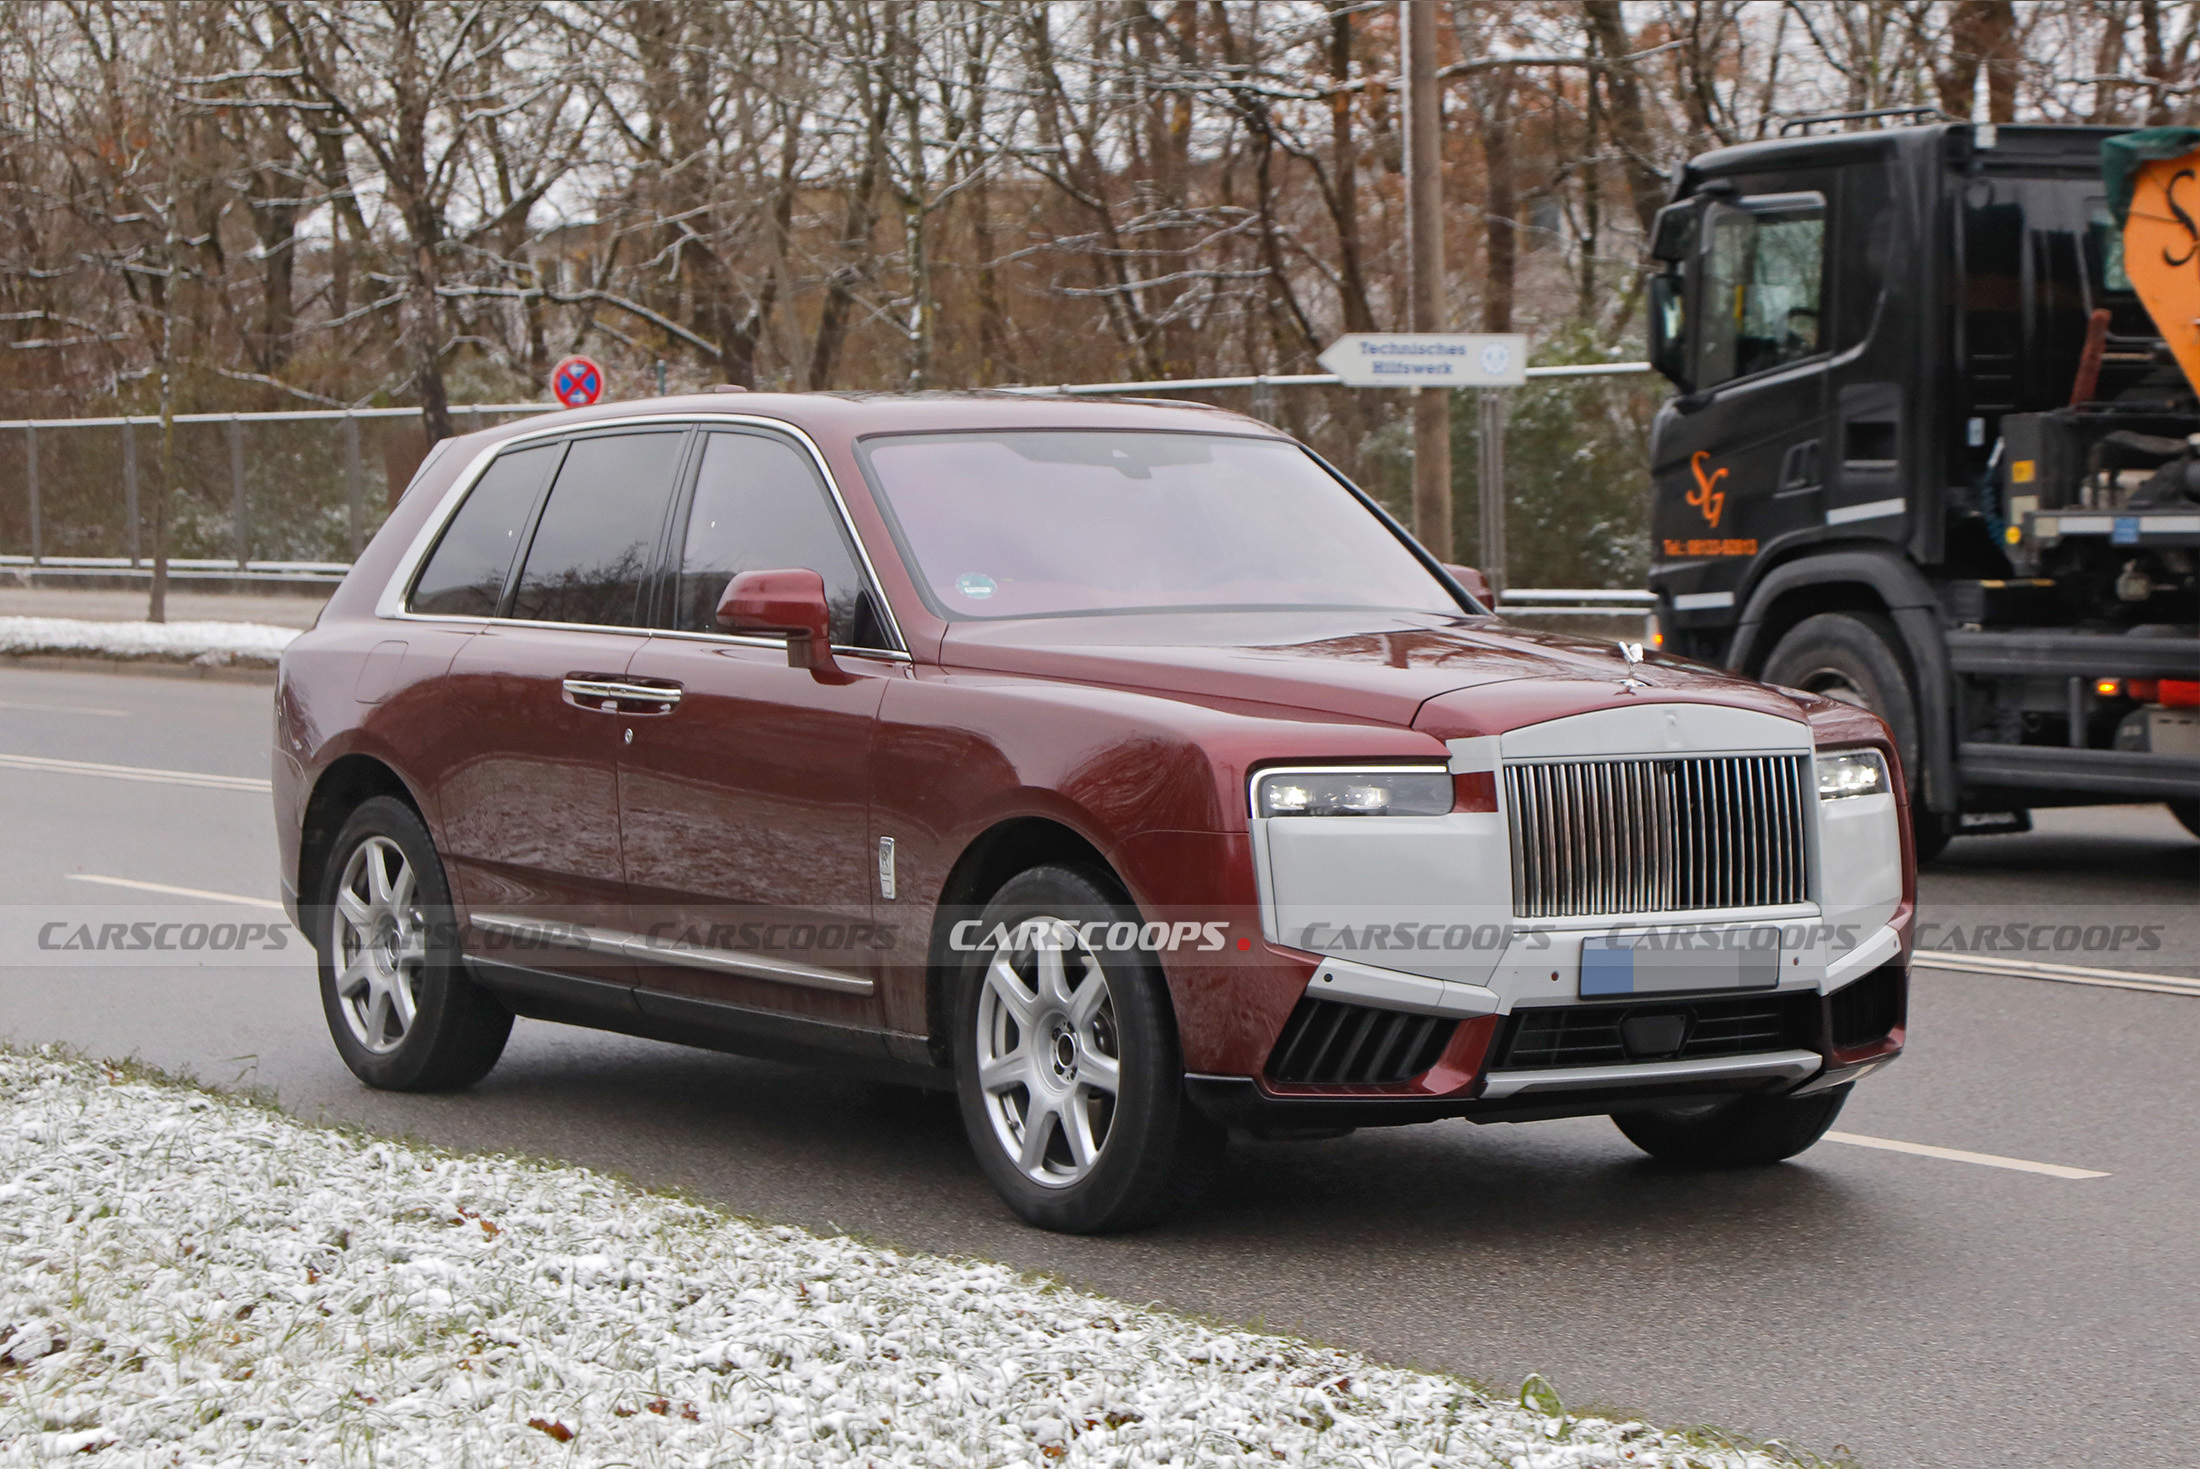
1490,474
1425,273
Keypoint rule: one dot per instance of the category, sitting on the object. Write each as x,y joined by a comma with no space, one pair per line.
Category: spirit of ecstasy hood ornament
1632,652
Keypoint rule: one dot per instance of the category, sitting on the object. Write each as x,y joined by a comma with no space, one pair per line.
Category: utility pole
1425,271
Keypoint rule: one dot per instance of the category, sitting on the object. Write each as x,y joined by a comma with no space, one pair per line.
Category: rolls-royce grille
1543,1038
1327,1043
1657,836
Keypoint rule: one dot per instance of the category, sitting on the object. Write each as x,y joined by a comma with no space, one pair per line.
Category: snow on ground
203,642
196,1279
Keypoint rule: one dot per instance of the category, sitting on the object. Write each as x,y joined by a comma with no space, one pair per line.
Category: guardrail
1290,380
75,568
348,509
1575,602
1533,601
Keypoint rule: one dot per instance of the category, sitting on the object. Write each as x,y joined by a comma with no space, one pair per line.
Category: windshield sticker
976,585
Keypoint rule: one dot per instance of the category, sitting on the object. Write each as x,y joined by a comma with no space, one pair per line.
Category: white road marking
197,778
169,888
65,709
1958,1155
2113,979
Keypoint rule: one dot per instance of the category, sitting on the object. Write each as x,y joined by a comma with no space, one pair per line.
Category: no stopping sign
576,382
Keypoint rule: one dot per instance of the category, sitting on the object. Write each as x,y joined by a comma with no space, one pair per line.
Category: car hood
1450,676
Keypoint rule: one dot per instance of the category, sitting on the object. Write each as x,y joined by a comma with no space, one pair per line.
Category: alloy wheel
378,938
1049,1053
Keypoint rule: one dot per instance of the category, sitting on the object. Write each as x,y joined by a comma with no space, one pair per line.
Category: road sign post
1488,361
1428,359
576,382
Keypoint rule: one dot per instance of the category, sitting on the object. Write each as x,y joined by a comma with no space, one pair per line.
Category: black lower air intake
1326,1043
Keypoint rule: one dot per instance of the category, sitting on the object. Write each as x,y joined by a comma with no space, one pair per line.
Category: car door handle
611,695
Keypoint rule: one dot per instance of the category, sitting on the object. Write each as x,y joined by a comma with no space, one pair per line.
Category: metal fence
268,495
291,497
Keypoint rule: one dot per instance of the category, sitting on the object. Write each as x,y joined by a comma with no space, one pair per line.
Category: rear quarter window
466,572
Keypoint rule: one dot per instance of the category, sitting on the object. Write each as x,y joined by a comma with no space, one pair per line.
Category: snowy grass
200,642
193,1278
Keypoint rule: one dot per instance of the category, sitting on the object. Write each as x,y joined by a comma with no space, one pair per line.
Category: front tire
1856,658
1740,1132
400,1008
1067,1067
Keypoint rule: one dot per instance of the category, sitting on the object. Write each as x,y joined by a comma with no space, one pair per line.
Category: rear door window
1763,280
760,505
466,572
599,531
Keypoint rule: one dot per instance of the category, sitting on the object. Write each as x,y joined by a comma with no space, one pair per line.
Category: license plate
1679,961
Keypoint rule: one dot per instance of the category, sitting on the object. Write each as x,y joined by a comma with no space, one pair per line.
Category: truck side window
1763,279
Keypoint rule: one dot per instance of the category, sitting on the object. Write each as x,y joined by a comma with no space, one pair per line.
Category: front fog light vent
1371,791
1329,1043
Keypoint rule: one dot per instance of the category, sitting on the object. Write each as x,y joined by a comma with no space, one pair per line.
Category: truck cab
1904,356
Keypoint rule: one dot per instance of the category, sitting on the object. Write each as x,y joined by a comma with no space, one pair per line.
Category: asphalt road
1912,1310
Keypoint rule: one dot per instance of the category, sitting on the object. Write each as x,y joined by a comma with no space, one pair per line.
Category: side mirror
1669,328
1474,581
790,602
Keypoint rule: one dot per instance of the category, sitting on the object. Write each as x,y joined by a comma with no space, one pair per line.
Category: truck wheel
403,1013
2187,810
1067,1064
1741,1132
1855,657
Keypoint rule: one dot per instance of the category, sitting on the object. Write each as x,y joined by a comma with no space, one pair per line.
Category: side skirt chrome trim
650,951
1770,1066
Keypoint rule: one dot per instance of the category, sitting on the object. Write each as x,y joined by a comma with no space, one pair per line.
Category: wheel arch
341,789
1862,579
995,855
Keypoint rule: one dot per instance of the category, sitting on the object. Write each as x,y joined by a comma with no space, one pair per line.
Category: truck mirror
1669,328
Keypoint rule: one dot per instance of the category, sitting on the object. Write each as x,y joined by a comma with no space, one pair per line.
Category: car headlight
1843,773
1369,791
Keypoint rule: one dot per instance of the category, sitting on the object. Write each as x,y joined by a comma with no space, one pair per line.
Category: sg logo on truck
1707,496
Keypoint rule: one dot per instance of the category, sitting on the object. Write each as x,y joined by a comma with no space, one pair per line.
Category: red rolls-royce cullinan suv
1119,766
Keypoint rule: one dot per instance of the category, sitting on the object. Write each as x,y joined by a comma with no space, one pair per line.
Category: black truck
1930,454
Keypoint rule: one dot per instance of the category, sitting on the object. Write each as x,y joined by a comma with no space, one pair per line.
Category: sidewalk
284,609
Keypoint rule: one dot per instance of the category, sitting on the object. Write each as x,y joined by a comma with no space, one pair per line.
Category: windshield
1053,522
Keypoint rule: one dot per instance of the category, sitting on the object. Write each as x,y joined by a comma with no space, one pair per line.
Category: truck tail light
2180,693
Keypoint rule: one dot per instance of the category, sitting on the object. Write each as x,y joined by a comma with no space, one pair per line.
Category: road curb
240,671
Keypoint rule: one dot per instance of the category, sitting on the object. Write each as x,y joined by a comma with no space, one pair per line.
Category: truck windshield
1062,522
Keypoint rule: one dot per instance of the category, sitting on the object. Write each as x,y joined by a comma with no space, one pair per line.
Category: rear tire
1067,1067
400,1008
1740,1132
1856,658
2187,811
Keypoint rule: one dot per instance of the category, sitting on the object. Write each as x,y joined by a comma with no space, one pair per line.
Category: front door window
1763,278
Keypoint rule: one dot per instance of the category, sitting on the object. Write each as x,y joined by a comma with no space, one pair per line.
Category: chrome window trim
390,604
1252,782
